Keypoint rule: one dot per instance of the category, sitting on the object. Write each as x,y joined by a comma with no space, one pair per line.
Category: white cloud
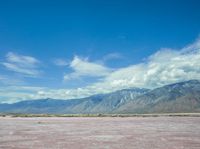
13,94
82,67
25,65
164,67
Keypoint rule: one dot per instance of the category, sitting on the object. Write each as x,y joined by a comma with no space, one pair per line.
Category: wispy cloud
82,67
7,80
25,65
61,62
112,56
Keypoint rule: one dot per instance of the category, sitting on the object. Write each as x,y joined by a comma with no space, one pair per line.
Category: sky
73,49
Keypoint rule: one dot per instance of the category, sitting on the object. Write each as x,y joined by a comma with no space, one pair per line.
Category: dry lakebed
100,132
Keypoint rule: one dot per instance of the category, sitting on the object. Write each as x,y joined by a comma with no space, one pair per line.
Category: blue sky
64,49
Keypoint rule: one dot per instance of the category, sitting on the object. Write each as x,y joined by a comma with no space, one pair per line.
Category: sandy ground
100,133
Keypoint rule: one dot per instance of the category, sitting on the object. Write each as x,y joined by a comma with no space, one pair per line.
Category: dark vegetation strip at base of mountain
104,115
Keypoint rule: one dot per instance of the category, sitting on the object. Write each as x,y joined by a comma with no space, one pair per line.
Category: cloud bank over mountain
166,66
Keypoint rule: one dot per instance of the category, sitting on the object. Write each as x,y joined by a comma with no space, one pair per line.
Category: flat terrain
100,133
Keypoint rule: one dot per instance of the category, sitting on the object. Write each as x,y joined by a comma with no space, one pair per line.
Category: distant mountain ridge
177,97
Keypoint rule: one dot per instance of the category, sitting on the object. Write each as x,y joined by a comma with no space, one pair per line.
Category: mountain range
178,97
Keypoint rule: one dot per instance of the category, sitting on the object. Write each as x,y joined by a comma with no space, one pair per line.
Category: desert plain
100,132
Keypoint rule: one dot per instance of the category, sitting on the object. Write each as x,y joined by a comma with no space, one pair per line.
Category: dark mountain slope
114,100
178,97
103,103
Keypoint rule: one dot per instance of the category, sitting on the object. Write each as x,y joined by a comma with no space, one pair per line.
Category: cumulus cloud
25,65
82,67
164,67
